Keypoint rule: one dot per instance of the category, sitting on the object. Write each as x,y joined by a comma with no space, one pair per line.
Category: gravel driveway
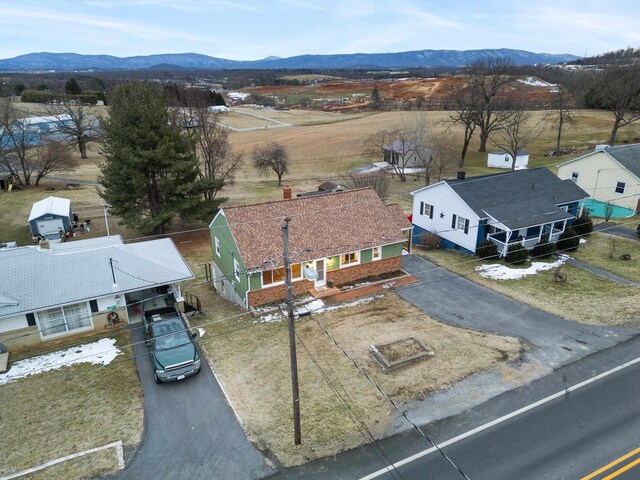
190,430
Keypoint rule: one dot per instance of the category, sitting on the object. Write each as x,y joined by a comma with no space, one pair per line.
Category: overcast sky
254,29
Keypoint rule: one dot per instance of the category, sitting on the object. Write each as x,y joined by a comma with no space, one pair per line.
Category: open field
603,251
584,297
322,146
65,411
251,359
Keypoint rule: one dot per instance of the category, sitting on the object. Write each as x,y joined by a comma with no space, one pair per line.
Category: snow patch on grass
315,306
503,272
101,352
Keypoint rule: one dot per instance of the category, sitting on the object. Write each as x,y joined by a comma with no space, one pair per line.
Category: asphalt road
190,430
613,229
568,437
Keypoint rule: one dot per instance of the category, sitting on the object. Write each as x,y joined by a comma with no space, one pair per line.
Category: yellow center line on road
613,464
622,470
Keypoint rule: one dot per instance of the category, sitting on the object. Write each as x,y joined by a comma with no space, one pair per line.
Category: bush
568,241
544,248
430,241
583,225
516,254
487,249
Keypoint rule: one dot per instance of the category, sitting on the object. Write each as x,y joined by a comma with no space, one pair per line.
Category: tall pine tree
150,172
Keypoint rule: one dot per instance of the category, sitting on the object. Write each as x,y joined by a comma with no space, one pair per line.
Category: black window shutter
453,222
31,319
431,212
421,208
466,226
94,306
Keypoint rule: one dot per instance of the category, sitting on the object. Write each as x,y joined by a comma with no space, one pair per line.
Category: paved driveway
614,229
190,430
457,301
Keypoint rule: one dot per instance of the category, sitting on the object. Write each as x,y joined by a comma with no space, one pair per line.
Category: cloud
233,5
303,4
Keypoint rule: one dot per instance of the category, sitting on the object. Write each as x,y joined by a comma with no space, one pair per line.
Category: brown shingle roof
320,226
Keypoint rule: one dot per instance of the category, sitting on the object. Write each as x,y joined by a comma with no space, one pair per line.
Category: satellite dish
310,273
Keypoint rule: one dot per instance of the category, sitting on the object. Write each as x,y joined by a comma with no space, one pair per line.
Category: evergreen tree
150,173
72,87
375,98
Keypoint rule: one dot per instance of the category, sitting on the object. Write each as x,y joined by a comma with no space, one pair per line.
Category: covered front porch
528,237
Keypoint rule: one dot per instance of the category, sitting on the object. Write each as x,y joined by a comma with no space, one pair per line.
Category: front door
321,281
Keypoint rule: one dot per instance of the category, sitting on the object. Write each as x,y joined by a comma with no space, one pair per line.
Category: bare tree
433,150
486,95
517,133
76,122
618,90
271,156
562,115
218,163
464,115
25,153
52,157
379,180
395,147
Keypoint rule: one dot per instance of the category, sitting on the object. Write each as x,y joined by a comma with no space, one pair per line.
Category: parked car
171,347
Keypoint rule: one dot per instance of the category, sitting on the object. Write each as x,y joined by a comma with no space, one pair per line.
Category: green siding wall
255,281
228,251
366,255
392,250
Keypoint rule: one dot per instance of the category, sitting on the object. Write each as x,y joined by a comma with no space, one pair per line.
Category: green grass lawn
603,251
584,297
65,411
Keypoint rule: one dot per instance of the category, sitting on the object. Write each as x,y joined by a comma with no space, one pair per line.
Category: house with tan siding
342,236
610,175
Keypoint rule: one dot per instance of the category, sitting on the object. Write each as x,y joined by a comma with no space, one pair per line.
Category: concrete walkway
600,272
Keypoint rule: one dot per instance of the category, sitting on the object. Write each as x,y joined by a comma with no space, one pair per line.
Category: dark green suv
171,347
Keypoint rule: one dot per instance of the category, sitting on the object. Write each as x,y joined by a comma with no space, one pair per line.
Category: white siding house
609,175
440,210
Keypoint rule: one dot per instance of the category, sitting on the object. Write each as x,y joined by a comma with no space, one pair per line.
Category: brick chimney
286,193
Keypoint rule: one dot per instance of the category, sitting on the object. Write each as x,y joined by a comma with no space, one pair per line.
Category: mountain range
413,59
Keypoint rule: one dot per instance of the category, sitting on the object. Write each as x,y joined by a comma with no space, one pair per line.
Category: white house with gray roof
611,176
505,208
82,285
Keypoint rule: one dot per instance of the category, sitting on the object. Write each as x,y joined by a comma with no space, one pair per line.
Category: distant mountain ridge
413,59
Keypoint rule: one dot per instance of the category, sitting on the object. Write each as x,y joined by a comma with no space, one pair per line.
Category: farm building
49,216
342,236
505,160
611,175
405,154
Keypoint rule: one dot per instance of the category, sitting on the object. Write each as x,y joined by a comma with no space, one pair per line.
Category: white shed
49,216
504,160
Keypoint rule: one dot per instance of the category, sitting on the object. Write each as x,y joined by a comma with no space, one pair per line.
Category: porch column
507,237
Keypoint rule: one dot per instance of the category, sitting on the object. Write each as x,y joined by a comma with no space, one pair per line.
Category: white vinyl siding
13,323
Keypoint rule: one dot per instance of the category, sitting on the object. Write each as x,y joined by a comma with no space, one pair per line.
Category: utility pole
297,437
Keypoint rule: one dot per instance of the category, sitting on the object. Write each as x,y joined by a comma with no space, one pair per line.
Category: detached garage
504,160
49,216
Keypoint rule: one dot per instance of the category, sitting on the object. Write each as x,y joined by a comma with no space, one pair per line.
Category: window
460,223
236,269
574,177
217,242
620,187
65,319
270,277
426,209
296,271
349,258
376,253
